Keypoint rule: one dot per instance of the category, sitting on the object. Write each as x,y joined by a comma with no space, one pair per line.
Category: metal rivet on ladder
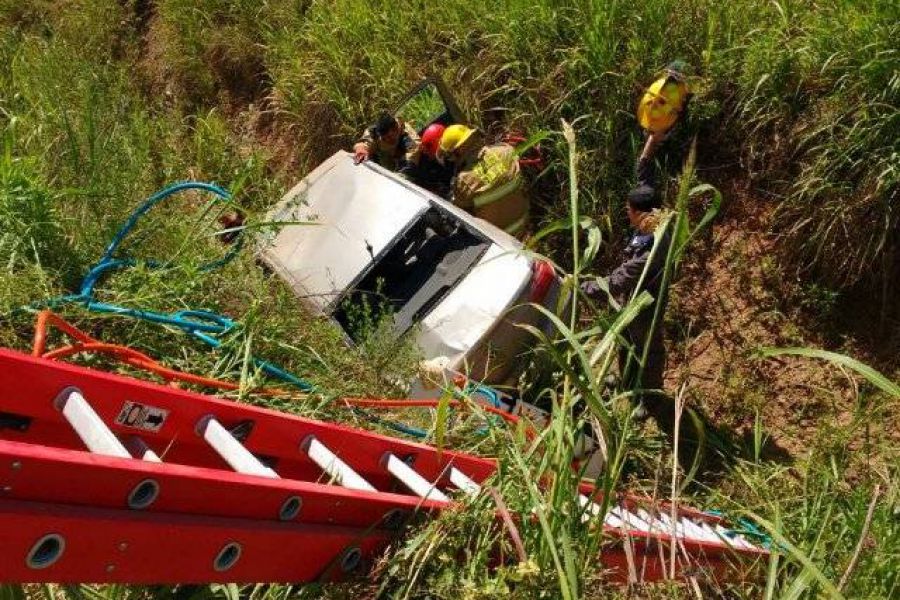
227,556
232,451
351,559
334,466
88,424
143,494
290,508
393,518
45,551
411,479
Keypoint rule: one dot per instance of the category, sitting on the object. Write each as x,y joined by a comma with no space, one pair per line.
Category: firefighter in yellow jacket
488,182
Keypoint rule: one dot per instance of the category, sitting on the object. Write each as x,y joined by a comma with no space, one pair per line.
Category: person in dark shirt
642,269
390,142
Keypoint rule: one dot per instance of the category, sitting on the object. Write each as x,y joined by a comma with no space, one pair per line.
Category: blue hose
201,324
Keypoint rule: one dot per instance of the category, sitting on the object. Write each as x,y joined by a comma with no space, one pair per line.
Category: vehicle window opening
413,276
428,103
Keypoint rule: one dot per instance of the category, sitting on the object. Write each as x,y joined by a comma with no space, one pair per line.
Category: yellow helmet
662,103
454,137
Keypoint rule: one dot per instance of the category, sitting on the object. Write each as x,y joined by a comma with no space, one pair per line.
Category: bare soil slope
733,298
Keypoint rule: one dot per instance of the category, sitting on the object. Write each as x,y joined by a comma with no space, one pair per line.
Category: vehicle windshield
412,277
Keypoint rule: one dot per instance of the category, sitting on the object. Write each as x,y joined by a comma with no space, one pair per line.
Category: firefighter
660,108
488,182
429,172
390,142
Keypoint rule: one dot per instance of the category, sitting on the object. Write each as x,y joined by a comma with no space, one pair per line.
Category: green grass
101,104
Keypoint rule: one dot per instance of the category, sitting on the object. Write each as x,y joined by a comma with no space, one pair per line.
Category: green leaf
809,569
440,419
873,376
594,239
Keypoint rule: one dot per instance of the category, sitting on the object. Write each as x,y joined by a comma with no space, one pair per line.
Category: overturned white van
458,283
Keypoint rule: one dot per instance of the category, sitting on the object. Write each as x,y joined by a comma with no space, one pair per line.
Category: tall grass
83,145
101,104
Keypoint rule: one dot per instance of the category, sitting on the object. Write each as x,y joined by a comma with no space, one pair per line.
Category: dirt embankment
733,298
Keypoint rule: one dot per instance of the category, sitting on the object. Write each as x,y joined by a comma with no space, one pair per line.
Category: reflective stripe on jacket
492,188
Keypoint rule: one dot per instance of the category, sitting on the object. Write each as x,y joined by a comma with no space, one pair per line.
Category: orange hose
407,403
86,343
122,352
135,358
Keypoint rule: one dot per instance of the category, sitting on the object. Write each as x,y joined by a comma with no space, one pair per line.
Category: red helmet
431,137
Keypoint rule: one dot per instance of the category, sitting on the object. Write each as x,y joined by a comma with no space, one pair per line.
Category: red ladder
104,478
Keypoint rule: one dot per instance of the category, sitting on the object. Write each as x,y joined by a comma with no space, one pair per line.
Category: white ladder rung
679,528
723,536
697,531
656,524
420,486
644,524
462,481
139,449
612,520
609,519
592,509
712,533
334,466
232,451
88,424
736,539
629,519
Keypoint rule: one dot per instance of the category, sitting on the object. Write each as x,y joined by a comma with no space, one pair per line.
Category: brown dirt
733,298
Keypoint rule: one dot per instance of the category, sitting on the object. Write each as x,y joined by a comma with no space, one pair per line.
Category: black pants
658,405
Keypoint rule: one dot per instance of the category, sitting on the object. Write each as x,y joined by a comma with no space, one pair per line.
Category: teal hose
200,324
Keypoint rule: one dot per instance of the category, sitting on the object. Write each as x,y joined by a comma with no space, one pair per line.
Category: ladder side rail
72,544
44,473
274,434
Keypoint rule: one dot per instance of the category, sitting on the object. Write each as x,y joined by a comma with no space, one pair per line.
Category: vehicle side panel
468,313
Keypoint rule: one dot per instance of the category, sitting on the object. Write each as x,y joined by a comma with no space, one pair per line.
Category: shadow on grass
711,450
